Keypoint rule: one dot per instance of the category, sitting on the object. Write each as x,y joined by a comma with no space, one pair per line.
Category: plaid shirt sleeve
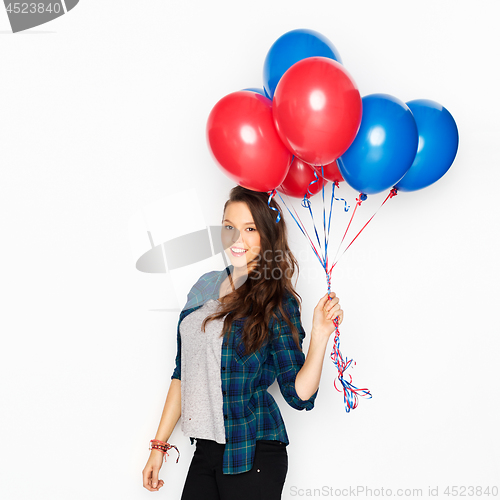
288,359
177,369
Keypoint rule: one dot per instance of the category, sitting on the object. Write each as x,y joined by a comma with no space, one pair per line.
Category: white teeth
238,251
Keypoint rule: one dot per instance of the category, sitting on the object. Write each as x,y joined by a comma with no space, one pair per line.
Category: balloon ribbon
362,197
351,392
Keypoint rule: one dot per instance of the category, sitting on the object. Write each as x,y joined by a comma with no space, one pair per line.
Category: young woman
239,331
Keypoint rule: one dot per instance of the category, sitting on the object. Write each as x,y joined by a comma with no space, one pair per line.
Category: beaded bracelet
156,444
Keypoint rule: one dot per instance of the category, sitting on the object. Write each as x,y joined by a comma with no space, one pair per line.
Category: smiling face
240,233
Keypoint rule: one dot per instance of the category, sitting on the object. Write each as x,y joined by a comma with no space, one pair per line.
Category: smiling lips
237,252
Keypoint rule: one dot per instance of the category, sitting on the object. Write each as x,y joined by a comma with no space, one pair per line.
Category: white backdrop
104,113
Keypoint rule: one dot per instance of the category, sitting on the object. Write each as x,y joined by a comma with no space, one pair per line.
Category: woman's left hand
324,314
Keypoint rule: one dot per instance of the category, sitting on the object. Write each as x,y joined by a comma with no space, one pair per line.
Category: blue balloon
258,91
290,48
384,147
437,145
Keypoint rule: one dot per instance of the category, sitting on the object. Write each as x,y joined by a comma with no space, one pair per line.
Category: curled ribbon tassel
346,206
351,392
271,196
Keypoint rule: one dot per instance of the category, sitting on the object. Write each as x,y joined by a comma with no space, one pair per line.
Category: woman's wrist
319,337
162,437
163,447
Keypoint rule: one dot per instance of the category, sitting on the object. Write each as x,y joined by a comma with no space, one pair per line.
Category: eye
252,228
227,226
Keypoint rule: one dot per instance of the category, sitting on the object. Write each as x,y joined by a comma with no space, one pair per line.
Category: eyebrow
227,220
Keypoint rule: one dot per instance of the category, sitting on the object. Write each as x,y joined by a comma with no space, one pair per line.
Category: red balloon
317,110
243,140
297,181
331,172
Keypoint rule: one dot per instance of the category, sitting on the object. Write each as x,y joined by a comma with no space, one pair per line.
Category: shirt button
223,368
225,416
223,393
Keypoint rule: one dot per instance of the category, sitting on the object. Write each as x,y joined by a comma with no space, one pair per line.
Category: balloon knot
361,199
394,192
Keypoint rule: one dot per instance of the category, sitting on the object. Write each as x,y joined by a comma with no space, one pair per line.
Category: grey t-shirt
201,393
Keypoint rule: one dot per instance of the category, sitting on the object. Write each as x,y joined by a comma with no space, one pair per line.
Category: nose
237,236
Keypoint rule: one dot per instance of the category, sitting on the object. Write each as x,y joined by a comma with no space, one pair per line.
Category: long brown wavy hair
269,279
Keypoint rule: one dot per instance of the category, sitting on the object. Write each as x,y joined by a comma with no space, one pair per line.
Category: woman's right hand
325,312
150,473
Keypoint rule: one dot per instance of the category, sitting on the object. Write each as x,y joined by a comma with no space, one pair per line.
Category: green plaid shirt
250,412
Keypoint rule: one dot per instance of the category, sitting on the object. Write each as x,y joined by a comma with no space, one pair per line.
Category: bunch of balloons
310,114
309,126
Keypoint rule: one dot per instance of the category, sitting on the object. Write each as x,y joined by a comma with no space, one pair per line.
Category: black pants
263,482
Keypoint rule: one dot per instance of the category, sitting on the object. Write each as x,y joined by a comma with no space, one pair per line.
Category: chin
238,263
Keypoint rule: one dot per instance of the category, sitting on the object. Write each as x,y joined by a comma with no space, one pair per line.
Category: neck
238,272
